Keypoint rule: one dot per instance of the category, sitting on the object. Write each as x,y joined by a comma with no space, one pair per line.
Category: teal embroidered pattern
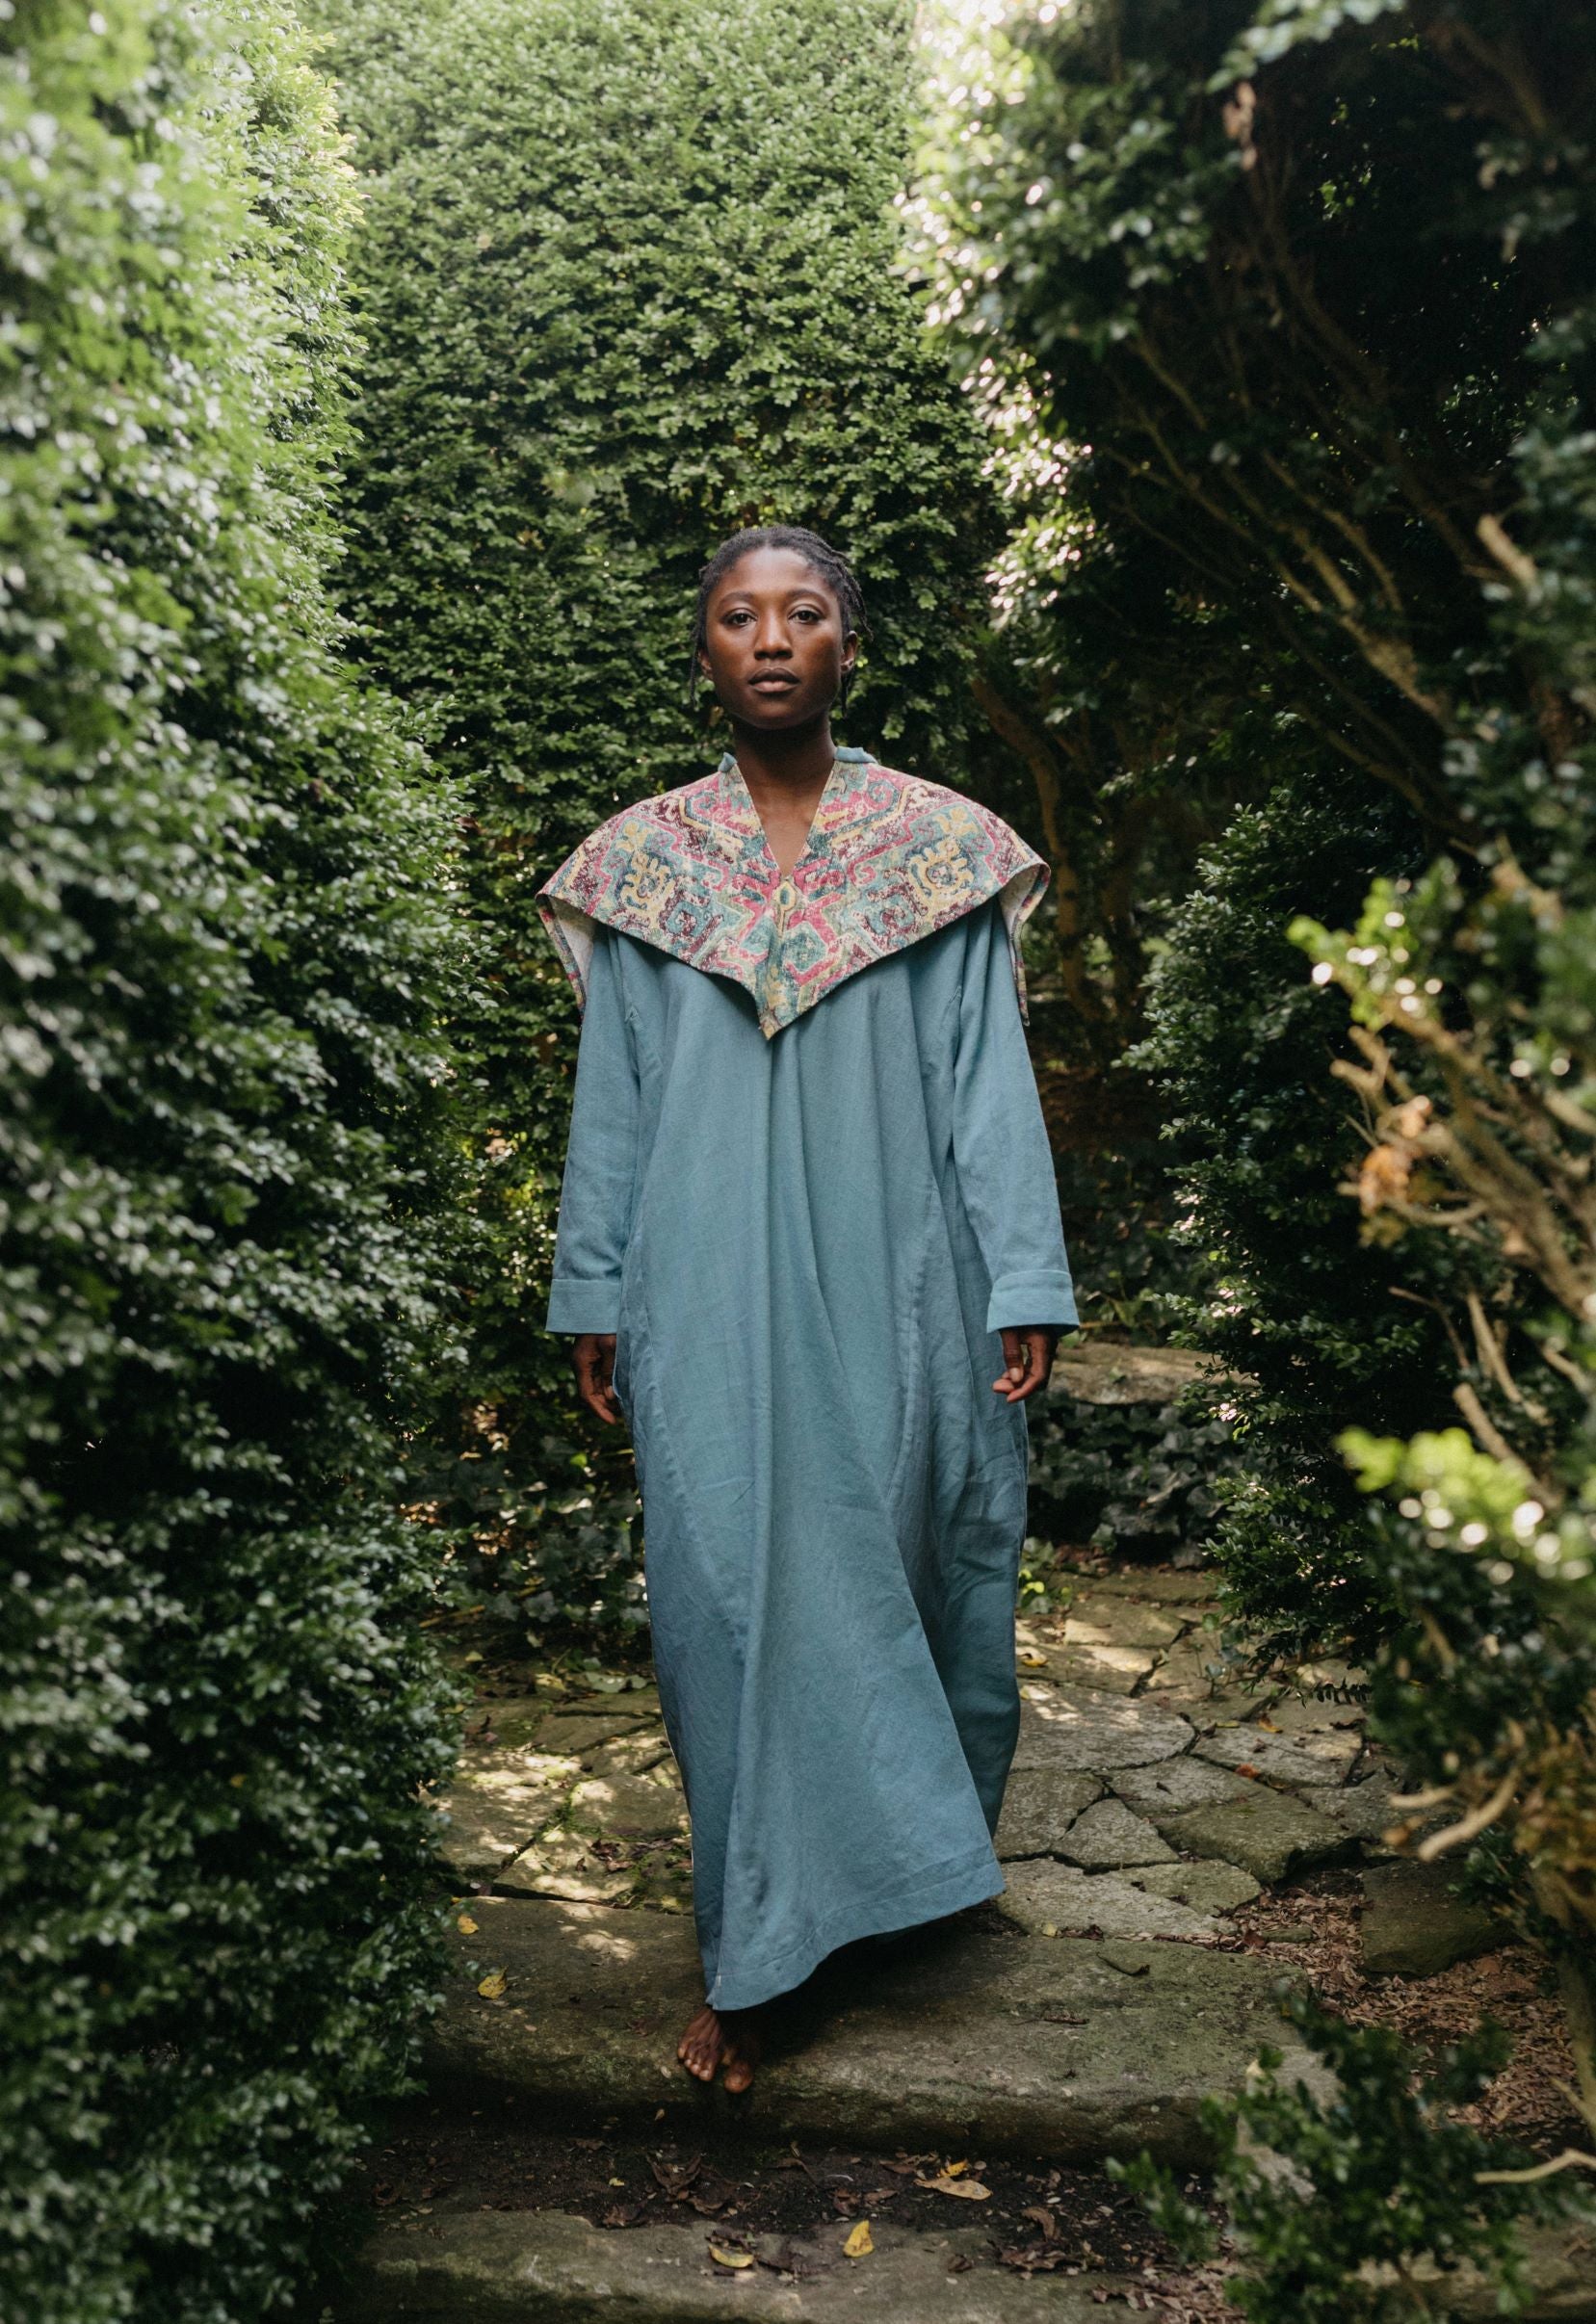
890,858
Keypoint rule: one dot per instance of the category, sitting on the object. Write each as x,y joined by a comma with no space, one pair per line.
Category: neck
797,760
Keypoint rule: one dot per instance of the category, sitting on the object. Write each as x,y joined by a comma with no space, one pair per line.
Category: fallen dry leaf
970,2188
493,1985
954,2170
723,2258
859,2241
466,1925
1044,2220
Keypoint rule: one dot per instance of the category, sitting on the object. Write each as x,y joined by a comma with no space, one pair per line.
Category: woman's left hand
1028,1352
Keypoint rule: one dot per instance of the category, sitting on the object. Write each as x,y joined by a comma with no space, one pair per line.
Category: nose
770,641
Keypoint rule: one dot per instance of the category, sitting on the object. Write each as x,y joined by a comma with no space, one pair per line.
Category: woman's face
774,646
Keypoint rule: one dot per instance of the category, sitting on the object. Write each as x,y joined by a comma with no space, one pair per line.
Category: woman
808,1194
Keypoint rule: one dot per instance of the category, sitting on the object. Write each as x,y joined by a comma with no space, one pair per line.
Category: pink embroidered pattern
889,858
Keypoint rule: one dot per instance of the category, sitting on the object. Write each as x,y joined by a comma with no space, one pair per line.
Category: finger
592,1392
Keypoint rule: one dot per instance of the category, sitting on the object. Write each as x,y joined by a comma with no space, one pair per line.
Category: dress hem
968,1880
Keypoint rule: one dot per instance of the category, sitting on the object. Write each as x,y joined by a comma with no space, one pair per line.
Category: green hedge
224,953
628,282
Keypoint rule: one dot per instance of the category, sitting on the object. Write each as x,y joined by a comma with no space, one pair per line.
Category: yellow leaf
466,1925
493,1985
859,2241
970,2188
718,2253
954,2170
1032,1658
618,2183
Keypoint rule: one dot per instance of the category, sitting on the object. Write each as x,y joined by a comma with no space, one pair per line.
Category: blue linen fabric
806,1246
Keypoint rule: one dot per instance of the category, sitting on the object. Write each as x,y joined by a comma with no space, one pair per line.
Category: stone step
964,2033
545,2267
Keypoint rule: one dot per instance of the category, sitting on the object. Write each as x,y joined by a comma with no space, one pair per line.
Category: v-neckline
829,790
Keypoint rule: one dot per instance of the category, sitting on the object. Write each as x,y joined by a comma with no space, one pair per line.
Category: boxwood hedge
223,951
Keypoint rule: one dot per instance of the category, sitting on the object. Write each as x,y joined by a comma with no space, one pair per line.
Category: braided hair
829,564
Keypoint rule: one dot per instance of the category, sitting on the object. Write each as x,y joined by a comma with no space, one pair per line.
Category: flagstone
1206,1885
499,1801
1048,1899
1113,1669
562,1865
1318,1757
1177,1782
1268,1833
1109,1836
1086,1730
950,2037
532,2267
1039,1808
629,1807
1101,1618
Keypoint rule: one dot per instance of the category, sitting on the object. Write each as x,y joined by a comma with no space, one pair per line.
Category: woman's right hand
595,1360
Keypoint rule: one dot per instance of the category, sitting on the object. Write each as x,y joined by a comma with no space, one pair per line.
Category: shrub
1356,2199
1313,289
226,948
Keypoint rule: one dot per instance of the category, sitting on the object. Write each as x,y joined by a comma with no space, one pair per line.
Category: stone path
1083,2014
1149,1799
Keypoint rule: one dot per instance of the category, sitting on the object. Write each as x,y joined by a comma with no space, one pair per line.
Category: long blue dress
806,1246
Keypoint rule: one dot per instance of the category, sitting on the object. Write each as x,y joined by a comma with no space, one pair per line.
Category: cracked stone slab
1177,1782
1184,1675
1087,1732
498,1802
1207,1886
1111,1669
1362,1810
561,1863
944,2037
1111,1836
1039,1808
548,2267
1267,1833
1095,1618
1048,1899
583,1732
634,1754
1301,1759
629,1807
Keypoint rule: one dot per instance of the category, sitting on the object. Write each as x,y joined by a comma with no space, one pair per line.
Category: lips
773,685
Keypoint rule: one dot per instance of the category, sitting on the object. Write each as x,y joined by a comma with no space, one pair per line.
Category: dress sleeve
595,1194
1001,1149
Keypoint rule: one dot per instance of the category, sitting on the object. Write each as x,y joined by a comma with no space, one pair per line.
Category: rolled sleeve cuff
578,1305
1047,1298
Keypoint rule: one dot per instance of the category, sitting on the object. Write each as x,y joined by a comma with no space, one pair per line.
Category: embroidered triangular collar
889,858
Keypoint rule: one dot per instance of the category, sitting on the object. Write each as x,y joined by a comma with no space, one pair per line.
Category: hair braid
829,564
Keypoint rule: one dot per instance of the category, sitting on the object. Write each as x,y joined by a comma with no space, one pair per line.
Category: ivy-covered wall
628,282
224,949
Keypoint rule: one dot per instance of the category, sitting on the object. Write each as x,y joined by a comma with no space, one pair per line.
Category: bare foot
721,2037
